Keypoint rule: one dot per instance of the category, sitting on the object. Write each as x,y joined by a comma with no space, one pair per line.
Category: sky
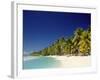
42,28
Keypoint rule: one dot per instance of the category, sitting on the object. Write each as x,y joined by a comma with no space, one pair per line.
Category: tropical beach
74,61
64,62
56,39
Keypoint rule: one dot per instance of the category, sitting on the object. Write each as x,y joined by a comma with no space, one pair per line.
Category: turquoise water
41,62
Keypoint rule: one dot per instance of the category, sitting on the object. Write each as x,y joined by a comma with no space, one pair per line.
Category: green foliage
35,54
78,44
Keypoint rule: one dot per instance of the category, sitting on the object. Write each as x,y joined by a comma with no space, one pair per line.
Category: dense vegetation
78,44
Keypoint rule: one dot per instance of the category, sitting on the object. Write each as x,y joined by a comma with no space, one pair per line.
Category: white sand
69,62
74,61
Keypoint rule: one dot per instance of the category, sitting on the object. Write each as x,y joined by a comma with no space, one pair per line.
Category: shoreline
68,62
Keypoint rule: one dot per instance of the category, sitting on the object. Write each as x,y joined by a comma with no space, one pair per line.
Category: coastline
68,62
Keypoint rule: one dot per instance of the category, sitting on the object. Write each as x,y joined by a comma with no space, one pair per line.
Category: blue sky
42,28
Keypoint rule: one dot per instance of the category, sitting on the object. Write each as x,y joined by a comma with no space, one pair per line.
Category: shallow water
41,62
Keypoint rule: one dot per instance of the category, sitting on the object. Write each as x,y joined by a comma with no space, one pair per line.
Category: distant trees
79,44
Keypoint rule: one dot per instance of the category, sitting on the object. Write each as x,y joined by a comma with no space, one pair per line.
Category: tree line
79,44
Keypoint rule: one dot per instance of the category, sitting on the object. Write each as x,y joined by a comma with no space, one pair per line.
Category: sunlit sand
69,61
74,61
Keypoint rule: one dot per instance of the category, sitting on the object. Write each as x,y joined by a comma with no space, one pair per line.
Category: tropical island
79,44
56,39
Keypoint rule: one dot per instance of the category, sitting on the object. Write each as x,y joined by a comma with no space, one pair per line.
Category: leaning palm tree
89,38
76,40
68,46
62,43
84,43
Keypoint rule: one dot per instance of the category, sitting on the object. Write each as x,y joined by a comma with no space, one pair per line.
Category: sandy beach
69,62
74,61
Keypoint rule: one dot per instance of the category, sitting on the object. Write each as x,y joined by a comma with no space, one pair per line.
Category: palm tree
68,46
84,43
89,38
76,40
62,43
79,44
